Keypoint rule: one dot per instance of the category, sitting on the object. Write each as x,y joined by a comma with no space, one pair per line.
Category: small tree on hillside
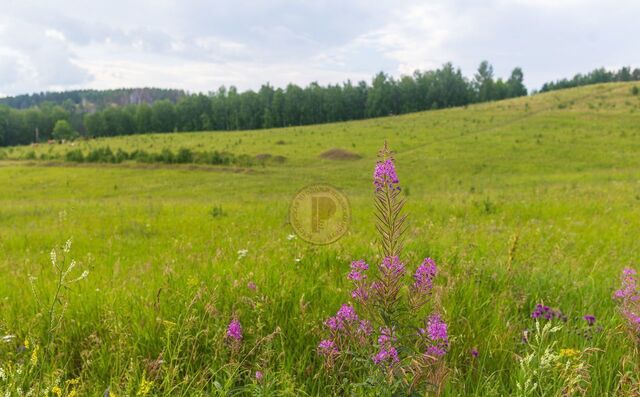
63,130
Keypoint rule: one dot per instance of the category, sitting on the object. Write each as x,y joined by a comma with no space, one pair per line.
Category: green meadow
520,202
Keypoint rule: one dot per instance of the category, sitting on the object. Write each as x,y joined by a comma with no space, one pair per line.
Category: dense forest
91,100
597,76
121,112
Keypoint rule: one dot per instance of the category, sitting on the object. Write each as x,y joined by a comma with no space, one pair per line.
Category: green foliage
74,155
228,109
596,76
63,131
635,90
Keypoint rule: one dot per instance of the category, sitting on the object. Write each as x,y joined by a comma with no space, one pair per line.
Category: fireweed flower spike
380,339
384,175
389,204
628,298
234,334
234,331
437,336
358,276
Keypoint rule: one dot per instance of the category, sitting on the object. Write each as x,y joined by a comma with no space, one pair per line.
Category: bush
101,155
75,156
166,156
141,156
184,156
635,90
121,156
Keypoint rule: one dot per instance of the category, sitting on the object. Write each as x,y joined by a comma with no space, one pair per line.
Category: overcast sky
199,45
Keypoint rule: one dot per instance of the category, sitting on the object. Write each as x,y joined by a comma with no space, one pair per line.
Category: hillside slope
595,126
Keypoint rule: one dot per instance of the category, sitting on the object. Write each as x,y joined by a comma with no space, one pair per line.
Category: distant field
556,171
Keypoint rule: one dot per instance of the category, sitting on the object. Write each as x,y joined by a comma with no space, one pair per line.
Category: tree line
596,76
269,107
89,100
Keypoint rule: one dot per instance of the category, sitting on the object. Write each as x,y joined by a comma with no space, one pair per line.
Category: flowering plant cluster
543,312
628,297
390,328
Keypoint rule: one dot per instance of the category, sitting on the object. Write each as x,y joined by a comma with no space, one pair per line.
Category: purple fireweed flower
437,335
435,351
629,286
385,175
334,323
359,265
347,313
234,330
386,336
386,355
436,328
474,352
355,275
391,266
361,294
259,375
365,327
251,285
424,275
327,348
590,319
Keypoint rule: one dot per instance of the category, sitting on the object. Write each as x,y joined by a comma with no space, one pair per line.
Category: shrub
141,156
121,156
74,155
166,156
101,155
217,212
635,90
184,156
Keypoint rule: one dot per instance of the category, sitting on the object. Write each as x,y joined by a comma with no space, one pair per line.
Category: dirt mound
340,154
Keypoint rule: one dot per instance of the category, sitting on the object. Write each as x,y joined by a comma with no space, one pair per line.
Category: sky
199,45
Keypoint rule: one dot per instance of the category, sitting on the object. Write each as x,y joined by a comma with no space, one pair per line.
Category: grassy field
520,202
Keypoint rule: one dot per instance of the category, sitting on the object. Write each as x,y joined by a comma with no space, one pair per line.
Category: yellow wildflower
145,386
57,391
569,353
34,355
26,343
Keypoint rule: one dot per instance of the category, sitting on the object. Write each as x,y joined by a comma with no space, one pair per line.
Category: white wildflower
67,246
291,237
242,253
53,257
70,268
8,338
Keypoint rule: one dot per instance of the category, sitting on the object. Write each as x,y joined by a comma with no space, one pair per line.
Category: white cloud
198,45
